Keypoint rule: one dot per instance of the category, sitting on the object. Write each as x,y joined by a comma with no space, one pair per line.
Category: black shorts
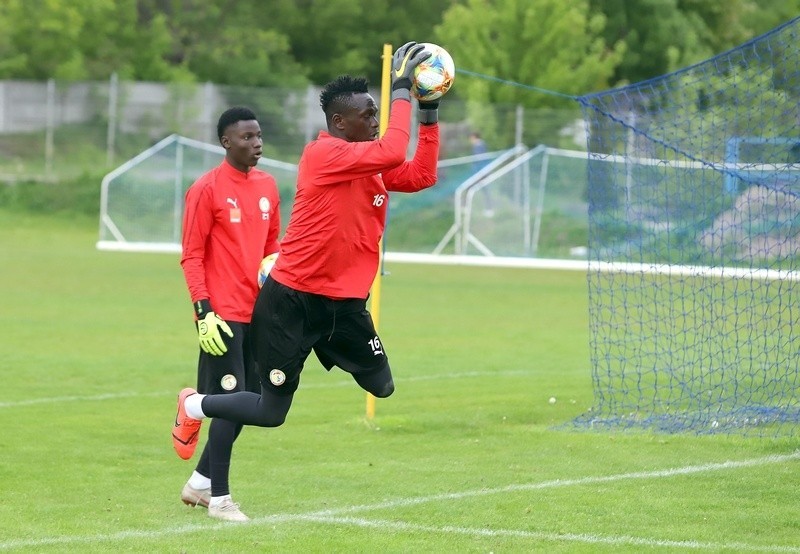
287,324
233,371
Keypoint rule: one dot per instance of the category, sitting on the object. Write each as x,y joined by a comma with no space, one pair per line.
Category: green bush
75,195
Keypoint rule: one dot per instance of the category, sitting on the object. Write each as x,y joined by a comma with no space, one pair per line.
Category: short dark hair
232,116
335,95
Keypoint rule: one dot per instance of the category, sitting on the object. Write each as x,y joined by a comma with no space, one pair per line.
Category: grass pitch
466,456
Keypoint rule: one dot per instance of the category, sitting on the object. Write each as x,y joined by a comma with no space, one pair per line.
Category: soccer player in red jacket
231,222
315,296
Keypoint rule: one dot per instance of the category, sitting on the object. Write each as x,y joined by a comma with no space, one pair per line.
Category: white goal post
141,201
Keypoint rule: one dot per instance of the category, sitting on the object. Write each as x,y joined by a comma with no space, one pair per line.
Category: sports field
468,455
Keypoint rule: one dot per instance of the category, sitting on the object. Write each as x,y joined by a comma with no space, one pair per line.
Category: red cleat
186,431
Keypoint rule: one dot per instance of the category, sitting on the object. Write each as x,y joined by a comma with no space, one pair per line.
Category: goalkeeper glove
429,112
404,61
208,329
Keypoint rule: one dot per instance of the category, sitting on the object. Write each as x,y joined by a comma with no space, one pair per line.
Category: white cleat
226,510
195,497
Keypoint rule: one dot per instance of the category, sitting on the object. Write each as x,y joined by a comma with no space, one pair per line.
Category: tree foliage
570,46
550,44
81,39
332,37
665,35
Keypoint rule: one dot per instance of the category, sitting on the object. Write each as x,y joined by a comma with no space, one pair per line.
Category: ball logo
228,382
277,377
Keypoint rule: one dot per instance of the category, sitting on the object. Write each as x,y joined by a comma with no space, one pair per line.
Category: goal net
694,226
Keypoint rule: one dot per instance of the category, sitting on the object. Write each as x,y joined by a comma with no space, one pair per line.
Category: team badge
228,382
263,204
277,377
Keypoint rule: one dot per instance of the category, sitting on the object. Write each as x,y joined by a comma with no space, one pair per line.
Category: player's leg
379,382
223,433
354,346
197,490
221,436
218,375
280,345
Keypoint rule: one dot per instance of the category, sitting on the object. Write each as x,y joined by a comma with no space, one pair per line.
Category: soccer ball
434,76
264,268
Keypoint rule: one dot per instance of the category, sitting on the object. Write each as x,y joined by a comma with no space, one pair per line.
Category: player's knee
272,420
385,390
273,409
377,383
272,416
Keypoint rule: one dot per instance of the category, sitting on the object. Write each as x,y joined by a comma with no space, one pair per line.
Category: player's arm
421,171
198,220
197,223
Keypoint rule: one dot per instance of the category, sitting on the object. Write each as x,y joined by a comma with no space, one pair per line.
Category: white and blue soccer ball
434,76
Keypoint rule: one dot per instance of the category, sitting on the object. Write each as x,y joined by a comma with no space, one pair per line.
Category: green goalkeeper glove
404,61
208,329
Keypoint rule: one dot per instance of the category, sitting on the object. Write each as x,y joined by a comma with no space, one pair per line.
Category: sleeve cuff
428,117
401,94
202,307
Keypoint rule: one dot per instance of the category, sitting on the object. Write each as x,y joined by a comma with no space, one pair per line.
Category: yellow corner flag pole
375,295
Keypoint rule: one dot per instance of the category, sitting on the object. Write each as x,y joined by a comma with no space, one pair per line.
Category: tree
547,45
764,15
255,58
332,37
81,39
39,32
224,42
12,61
553,45
663,36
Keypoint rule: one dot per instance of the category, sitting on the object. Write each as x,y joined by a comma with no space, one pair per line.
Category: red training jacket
331,245
231,221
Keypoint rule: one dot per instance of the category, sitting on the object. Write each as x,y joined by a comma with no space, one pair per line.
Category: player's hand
405,60
208,331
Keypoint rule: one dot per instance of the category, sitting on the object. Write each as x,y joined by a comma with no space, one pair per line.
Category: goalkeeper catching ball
315,296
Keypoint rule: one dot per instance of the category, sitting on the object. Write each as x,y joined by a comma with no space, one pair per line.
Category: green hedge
79,195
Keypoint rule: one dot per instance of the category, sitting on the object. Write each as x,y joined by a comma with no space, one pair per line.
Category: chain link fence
54,130
78,132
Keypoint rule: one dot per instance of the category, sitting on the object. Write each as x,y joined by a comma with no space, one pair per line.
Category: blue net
694,226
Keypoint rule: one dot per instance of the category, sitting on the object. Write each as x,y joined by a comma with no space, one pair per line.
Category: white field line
538,536
399,380
338,516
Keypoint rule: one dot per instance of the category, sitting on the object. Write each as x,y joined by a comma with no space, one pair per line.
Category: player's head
240,135
350,111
